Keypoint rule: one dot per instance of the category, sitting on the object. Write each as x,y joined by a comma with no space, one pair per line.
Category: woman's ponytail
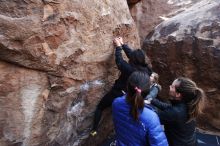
196,104
138,87
137,104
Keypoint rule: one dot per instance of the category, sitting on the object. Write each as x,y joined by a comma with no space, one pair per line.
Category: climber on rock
137,62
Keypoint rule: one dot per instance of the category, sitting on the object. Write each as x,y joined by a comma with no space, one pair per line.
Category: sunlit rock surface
189,45
60,62
149,13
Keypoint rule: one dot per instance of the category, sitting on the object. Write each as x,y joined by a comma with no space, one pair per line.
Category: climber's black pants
105,102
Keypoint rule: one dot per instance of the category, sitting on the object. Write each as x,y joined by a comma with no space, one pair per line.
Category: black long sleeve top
159,104
179,132
125,68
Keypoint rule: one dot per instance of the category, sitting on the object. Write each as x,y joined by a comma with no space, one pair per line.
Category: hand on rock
117,42
121,40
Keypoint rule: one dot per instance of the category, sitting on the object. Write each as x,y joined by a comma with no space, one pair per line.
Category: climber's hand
116,42
121,40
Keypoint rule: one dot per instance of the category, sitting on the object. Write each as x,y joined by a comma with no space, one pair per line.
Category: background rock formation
188,44
60,62
148,14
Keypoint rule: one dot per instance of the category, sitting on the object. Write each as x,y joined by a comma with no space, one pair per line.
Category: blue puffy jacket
145,132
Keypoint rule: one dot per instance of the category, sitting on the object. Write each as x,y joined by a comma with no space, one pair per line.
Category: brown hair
192,95
138,87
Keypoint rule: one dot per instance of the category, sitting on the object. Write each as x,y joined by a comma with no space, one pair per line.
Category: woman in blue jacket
136,124
137,62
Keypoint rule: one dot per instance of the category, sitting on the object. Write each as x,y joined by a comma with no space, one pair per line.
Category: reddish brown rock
21,103
189,45
63,64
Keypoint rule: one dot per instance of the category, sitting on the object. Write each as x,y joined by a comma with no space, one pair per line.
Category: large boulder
60,62
189,45
149,13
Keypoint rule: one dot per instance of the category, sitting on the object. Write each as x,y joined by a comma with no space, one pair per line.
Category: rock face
189,45
60,62
22,103
148,14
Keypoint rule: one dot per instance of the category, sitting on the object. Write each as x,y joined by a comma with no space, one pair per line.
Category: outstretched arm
125,47
122,65
159,104
127,50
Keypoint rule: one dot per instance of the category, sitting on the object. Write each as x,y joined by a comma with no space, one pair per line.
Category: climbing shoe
93,133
